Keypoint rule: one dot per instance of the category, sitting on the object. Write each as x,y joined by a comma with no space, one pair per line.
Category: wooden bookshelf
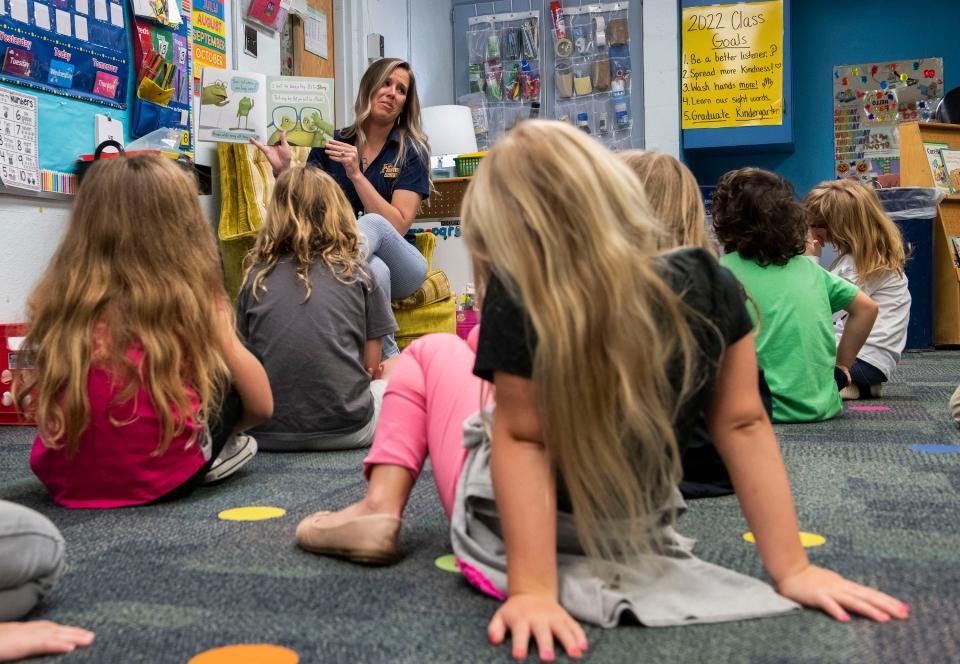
915,172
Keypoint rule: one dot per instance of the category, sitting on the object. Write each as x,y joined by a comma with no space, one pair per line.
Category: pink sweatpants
430,392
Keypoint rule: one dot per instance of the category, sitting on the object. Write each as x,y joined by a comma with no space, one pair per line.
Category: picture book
937,169
955,250
237,106
951,163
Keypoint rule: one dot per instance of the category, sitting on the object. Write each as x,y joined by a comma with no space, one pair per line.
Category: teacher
381,162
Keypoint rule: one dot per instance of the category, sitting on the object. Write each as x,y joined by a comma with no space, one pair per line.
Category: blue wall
827,33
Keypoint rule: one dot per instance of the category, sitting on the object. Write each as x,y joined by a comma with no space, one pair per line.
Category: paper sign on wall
315,32
19,161
732,69
209,36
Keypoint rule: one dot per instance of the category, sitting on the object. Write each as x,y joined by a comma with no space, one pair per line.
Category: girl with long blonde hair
381,161
312,311
674,196
871,255
132,351
676,202
602,354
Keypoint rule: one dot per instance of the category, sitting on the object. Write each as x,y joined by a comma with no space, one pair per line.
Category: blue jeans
863,374
397,265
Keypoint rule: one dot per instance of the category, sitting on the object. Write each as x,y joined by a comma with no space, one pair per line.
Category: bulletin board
63,118
74,48
870,100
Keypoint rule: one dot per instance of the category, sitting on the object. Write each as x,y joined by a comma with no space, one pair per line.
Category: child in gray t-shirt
316,316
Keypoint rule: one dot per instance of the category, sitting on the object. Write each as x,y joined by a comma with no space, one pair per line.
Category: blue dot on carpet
936,449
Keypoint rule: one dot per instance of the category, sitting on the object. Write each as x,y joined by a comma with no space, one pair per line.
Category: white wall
31,229
418,31
661,96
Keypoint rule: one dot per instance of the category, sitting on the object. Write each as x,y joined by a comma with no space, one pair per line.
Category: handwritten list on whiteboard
19,163
732,69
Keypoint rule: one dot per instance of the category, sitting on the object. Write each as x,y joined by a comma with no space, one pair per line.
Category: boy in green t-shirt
762,229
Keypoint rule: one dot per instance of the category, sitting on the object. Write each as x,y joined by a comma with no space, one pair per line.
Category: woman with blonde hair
132,348
382,163
871,256
311,310
602,355
675,198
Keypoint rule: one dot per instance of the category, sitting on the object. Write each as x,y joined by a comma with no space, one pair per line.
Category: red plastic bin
8,362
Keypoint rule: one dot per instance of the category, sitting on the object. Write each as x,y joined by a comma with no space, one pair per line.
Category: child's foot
876,391
354,533
850,393
240,448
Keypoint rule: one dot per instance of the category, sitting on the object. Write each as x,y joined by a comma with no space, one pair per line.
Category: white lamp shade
449,129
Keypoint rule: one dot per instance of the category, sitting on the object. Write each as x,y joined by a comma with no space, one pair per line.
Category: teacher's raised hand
278,156
346,154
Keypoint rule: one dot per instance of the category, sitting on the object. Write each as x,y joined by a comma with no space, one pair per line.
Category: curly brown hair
755,213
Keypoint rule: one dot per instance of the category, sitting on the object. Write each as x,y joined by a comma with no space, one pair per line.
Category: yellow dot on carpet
247,653
253,513
807,540
447,563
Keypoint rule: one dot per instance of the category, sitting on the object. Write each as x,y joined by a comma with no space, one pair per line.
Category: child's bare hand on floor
40,637
820,588
540,618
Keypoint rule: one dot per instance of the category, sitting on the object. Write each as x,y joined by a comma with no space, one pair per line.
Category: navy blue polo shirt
386,177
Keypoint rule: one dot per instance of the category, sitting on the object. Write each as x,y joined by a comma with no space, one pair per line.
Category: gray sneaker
240,448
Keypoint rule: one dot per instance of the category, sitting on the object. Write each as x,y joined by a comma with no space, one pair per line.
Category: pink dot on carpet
868,408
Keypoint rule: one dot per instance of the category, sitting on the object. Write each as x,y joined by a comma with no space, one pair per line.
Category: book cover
951,163
237,106
937,169
955,250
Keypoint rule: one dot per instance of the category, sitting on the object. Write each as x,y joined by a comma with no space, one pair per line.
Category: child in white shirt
872,256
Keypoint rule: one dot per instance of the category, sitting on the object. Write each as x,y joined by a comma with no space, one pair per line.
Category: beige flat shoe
371,539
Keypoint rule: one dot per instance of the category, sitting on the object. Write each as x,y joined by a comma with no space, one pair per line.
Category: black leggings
222,424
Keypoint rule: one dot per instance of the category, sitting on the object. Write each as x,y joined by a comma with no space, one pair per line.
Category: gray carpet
161,584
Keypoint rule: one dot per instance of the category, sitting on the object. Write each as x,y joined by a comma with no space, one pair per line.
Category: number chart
19,166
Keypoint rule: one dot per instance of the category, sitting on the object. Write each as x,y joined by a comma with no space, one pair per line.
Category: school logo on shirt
389,171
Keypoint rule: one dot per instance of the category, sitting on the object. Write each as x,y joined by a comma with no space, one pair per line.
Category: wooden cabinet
915,172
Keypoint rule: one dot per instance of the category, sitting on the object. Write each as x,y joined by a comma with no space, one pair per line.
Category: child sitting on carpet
871,255
674,197
311,308
762,229
132,347
676,202
602,355
31,562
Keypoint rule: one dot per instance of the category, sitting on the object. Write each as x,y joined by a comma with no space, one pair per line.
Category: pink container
466,321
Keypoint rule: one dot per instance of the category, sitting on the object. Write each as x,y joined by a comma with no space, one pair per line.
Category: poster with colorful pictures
209,38
162,52
74,48
869,103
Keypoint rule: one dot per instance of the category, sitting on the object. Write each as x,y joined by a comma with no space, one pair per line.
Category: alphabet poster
869,102
74,48
732,69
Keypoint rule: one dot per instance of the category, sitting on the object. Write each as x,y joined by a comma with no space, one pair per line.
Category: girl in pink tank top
136,376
